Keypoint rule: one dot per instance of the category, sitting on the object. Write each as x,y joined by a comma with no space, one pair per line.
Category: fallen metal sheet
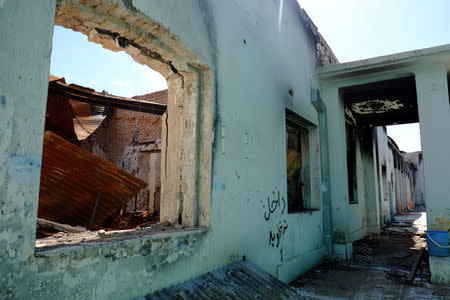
71,180
59,115
73,120
241,280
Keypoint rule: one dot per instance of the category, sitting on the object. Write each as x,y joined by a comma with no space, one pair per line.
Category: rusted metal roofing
59,117
241,280
73,120
75,112
79,188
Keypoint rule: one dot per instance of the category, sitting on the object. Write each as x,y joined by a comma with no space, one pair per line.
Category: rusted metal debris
74,112
71,180
59,115
73,120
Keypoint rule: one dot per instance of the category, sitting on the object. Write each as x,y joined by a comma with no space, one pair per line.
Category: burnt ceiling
382,103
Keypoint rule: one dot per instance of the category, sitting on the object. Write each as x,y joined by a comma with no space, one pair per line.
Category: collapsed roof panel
74,112
73,120
79,188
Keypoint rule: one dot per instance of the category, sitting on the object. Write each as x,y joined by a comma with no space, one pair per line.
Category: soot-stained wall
254,60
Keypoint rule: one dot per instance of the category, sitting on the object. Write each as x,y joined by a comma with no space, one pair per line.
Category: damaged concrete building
269,150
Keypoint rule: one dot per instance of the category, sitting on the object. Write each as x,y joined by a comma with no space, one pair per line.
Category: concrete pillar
434,116
370,182
338,172
26,35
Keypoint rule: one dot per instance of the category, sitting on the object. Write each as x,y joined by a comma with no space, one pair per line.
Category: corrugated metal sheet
73,120
241,280
71,179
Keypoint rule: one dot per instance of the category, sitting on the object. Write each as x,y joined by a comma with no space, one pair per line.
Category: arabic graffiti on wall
274,212
276,235
274,204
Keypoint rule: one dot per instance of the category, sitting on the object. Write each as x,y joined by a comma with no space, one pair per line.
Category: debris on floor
384,266
48,228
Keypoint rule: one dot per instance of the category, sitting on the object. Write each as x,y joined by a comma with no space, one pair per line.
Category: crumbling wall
212,69
125,137
122,268
418,180
121,129
324,54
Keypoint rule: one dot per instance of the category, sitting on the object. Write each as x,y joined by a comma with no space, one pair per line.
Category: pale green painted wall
251,92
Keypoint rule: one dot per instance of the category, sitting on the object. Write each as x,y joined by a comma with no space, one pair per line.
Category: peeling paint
376,106
25,168
219,186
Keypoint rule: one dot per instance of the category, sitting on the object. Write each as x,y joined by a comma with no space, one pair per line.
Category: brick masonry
128,138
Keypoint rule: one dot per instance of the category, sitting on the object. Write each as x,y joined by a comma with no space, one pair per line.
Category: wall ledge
162,245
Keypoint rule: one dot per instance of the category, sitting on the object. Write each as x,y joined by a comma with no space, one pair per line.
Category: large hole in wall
119,151
102,144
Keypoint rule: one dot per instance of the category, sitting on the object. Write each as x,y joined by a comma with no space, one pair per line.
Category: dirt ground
379,268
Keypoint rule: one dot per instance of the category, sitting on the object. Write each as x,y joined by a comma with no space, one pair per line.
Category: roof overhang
381,91
393,66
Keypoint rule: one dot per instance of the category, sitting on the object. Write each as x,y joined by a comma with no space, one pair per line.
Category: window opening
297,163
101,165
184,148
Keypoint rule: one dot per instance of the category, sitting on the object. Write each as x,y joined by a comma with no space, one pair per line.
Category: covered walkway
394,89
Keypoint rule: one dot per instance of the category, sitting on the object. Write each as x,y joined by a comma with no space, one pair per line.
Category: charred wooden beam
60,88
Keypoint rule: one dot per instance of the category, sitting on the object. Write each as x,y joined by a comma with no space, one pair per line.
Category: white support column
434,116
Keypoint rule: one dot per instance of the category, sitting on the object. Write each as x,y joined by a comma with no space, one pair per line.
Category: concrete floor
379,267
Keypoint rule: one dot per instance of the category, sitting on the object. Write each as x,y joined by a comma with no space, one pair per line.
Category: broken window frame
304,201
187,133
